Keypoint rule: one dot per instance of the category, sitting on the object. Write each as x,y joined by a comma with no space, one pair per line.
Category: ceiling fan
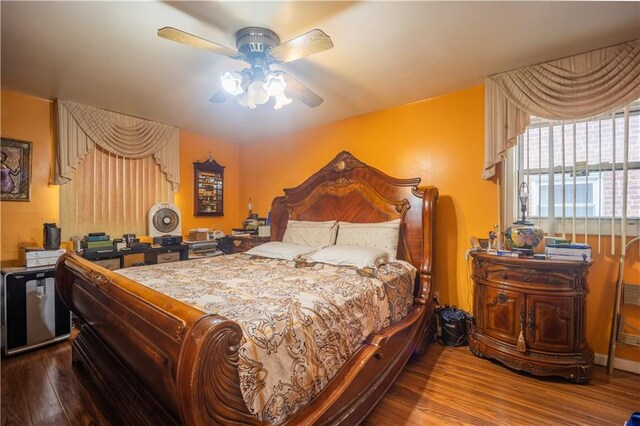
261,48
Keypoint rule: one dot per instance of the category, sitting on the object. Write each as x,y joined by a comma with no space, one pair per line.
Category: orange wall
442,141
28,119
31,119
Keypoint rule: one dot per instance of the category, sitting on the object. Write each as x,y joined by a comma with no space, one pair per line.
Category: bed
157,360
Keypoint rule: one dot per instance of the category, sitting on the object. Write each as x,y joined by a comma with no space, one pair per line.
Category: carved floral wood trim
209,392
343,187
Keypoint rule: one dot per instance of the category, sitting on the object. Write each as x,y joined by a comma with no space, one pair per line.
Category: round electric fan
164,219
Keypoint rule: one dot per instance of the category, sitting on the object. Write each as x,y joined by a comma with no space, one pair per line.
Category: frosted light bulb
232,83
257,94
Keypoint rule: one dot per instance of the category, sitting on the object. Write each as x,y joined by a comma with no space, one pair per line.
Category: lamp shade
275,84
232,83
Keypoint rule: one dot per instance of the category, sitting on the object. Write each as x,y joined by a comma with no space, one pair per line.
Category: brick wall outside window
594,145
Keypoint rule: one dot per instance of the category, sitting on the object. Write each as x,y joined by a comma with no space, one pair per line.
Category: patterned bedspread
301,322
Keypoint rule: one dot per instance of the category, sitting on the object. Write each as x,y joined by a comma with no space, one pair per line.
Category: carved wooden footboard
173,363
160,361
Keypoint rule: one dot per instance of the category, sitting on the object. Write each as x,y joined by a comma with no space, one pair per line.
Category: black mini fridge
33,314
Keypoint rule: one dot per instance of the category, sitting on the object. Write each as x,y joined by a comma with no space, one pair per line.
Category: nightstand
540,303
240,244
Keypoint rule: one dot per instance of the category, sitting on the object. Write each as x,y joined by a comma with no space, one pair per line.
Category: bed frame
160,361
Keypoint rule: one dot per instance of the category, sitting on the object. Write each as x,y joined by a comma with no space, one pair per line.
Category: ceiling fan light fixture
282,100
232,83
260,48
275,84
256,93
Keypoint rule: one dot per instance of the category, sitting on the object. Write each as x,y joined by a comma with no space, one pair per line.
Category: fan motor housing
252,40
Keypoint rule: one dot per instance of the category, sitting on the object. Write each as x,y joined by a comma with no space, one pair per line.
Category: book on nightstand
569,252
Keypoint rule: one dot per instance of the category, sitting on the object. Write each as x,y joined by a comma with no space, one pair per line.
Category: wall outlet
436,297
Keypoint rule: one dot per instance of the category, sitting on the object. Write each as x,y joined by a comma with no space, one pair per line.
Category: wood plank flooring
445,386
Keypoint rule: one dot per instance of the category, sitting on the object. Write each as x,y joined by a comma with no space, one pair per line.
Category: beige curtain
112,194
576,87
80,128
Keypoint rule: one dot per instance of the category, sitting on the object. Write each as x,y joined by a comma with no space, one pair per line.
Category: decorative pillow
382,235
360,257
308,233
279,250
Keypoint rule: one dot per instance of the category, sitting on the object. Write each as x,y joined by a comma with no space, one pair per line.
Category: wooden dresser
542,299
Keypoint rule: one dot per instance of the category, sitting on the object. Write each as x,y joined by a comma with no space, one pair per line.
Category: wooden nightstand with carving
240,244
542,303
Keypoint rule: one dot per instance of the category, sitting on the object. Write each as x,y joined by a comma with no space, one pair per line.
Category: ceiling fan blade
180,36
297,90
219,96
307,44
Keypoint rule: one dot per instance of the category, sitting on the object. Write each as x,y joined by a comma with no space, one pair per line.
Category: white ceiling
107,54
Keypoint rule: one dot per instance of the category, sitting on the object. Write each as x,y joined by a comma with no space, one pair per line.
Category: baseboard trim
619,363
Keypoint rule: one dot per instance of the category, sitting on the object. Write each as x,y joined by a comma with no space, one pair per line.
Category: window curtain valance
80,128
572,88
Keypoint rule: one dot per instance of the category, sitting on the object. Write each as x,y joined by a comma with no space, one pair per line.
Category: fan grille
165,220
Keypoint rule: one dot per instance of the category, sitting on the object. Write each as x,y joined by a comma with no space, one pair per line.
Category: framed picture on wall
16,170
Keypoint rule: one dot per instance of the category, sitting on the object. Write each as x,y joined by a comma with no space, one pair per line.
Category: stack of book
97,242
569,252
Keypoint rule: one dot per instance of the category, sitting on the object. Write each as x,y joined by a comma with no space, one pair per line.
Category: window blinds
112,194
584,175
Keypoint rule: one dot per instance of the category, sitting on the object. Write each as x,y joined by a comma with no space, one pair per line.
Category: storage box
198,236
37,256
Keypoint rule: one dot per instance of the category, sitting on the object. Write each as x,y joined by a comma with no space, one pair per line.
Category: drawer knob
505,276
527,278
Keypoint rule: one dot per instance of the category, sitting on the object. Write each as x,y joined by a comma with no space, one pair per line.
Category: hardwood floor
445,386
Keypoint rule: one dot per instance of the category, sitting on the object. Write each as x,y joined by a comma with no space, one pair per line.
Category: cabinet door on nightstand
502,311
550,323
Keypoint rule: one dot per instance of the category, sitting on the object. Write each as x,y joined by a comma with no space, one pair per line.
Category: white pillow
279,250
382,235
360,257
308,233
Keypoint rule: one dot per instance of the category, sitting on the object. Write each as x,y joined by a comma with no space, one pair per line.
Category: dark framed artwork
208,188
16,170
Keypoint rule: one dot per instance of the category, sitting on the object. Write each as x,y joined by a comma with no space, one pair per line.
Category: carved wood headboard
348,190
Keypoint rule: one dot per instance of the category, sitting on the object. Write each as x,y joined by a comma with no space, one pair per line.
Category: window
112,194
593,166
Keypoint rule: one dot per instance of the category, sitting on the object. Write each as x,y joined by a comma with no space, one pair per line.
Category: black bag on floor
451,326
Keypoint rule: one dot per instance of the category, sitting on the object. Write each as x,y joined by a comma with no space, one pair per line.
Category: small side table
530,315
240,244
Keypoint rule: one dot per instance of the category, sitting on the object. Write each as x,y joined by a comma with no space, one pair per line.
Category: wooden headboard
348,190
